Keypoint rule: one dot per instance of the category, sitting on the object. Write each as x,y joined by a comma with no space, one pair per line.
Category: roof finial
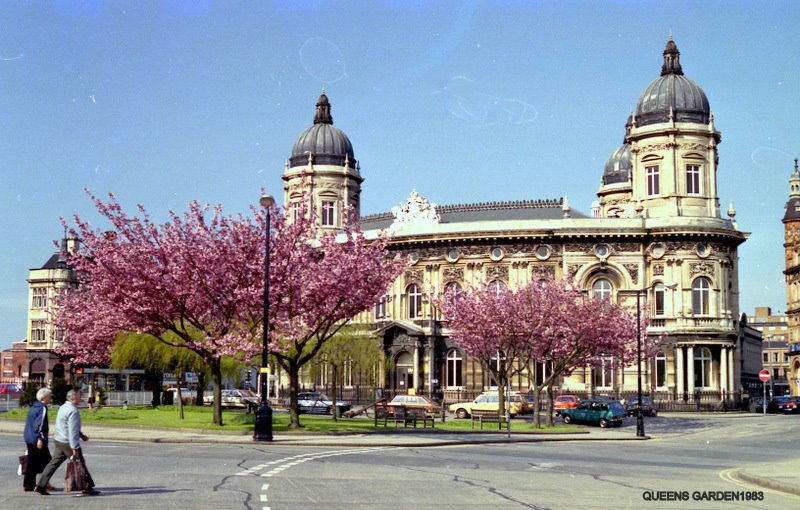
672,58
795,164
323,115
670,33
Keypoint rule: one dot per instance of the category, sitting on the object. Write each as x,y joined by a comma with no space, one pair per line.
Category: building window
700,296
658,299
602,289
774,357
766,357
39,298
328,213
652,180
603,372
702,368
380,308
414,297
455,367
498,286
347,372
38,332
661,369
692,179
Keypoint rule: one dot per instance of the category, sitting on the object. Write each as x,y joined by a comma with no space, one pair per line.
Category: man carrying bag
68,438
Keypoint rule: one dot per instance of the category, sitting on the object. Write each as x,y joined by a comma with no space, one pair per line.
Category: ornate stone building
791,230
44,284
655,232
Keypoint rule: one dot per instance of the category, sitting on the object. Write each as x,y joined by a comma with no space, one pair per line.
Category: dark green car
603,412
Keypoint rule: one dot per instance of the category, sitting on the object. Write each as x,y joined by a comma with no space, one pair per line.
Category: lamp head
266,201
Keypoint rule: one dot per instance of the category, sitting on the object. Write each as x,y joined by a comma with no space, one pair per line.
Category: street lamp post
263,426
639,415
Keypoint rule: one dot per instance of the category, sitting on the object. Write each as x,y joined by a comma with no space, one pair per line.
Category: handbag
76,478
23,464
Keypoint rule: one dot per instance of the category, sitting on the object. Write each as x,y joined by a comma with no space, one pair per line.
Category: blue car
604,413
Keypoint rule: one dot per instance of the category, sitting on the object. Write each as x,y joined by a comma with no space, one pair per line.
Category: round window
452,254
496,253
657,250
702,250
413,257
602,250
542,252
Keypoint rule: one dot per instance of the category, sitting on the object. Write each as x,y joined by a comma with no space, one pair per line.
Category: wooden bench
487,417
409,418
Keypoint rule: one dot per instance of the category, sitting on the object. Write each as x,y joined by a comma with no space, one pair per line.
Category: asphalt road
688,455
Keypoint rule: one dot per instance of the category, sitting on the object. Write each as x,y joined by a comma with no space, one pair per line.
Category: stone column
690,369
731,379
679,371
723,371
416,367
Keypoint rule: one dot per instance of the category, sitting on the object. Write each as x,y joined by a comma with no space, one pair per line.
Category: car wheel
461,414
567,419
603,423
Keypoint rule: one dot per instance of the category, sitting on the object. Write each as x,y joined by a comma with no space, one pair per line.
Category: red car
565,402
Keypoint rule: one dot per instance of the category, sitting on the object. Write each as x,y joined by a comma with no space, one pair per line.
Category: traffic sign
764,375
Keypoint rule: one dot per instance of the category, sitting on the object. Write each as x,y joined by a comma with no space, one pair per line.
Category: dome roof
672,95
618,166
327,145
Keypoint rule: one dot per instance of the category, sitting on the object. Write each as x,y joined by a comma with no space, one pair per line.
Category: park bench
486,417
408,417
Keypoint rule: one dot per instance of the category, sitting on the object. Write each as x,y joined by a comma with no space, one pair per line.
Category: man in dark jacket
36,437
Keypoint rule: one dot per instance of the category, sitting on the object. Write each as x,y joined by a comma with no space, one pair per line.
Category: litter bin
338,411
263,428
167,398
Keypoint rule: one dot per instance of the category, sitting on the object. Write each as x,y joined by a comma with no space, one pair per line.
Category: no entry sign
764,375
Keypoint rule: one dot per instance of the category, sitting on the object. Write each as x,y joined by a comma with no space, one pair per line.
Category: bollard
263,428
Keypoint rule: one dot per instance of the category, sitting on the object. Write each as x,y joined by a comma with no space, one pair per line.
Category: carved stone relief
701,268
453,273
413,275
633,270
658,269
497,272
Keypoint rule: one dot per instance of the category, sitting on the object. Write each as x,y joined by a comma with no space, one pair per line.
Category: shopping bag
76,479
23,464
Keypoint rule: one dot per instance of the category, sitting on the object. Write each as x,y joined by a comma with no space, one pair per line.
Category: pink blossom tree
318,282
575,329
489,324
194,282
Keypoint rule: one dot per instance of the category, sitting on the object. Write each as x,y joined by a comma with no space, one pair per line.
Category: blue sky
163,102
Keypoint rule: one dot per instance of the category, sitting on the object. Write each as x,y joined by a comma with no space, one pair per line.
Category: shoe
89,492
28,489
41,491
49,488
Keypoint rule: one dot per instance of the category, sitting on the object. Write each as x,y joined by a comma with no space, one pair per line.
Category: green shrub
28,396
60,387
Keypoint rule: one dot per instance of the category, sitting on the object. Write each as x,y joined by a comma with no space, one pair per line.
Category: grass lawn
199,418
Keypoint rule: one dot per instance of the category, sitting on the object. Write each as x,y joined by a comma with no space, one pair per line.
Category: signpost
764,375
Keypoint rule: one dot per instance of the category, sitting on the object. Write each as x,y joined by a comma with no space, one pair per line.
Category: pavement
778,476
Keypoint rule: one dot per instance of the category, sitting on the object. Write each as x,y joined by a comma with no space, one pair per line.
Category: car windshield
616,406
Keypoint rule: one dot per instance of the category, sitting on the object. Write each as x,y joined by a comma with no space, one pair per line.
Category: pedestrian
90,400
68,438
36,437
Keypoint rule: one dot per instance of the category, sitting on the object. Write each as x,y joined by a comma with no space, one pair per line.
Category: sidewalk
783,476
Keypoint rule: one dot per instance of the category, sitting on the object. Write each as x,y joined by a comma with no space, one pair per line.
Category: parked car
235,398
490,401
565,402
314,402
10,388
530,402
409,402
604,413
785,405
632,406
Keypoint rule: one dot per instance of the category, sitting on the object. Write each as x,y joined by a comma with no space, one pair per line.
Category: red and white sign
764,375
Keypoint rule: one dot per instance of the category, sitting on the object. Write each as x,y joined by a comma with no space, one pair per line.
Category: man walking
68,438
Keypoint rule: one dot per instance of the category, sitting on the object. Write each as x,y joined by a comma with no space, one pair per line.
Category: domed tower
673,146
791,232
323,169
615,185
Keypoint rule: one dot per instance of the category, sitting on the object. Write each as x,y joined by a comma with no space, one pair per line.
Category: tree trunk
294,384
550,405
201,386
537,415
216,377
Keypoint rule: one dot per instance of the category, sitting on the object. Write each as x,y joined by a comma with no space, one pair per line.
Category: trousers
61,453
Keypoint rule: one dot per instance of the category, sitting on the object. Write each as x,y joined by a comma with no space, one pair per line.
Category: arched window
452,289
497,285
700,296
702,368
660,369
602,289
414,298
380,308
658,299
454,371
